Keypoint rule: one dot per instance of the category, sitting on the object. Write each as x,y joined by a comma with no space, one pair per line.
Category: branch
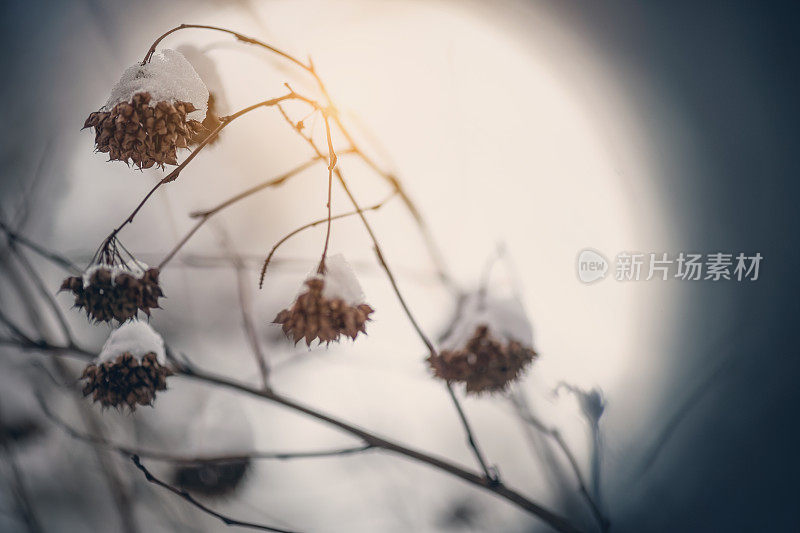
526,416
228,521
311,225
471,440
208,213
208,459
309,68
225,121
556,521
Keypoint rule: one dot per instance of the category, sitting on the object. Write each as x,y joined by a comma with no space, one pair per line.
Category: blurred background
538,128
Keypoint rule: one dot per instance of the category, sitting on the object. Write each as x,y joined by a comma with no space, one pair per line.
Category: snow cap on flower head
222,429
154,109
167,77
137,338
332,305
130,368
487,347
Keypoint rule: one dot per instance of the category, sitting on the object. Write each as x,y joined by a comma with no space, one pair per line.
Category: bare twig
309,68
203,216
311,225
556,521
172,176
227,520
246,308
471,440
193,460
524,413
59,260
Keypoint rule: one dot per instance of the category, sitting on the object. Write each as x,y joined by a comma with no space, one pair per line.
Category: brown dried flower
127,380
109,292
315,316
484,364
144,134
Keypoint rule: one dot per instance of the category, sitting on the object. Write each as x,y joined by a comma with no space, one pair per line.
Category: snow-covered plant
488,347
130,369
331,306
157,108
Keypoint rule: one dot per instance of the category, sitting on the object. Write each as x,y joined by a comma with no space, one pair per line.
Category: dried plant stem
311,225
471,440
523,411
172,176
331,166
556,521
309,68
227,520
203,216
58,260
119,492
246,307
193,460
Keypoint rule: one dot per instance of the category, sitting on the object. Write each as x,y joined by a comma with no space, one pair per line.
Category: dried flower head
484,364
130,369
488,346
115,292
331,306
212,479
222,428
154,109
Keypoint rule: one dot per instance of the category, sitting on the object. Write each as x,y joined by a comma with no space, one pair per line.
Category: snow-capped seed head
130,368
167,77
488,347
332,305
341,281
137,338
221,429
153,110
115,292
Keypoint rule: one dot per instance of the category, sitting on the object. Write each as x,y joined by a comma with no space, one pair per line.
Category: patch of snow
505,318
341,281
135,269
135,337
222,428
168,77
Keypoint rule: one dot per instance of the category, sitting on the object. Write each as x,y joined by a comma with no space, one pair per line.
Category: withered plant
150,123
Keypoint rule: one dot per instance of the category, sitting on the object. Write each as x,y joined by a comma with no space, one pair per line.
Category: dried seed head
126,380
484,364
130,369
212,479
314,316
108,292
144,134
487,346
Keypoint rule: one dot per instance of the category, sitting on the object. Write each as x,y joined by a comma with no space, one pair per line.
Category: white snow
136,270
135,337
168,77
221,428
341,282
505,317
